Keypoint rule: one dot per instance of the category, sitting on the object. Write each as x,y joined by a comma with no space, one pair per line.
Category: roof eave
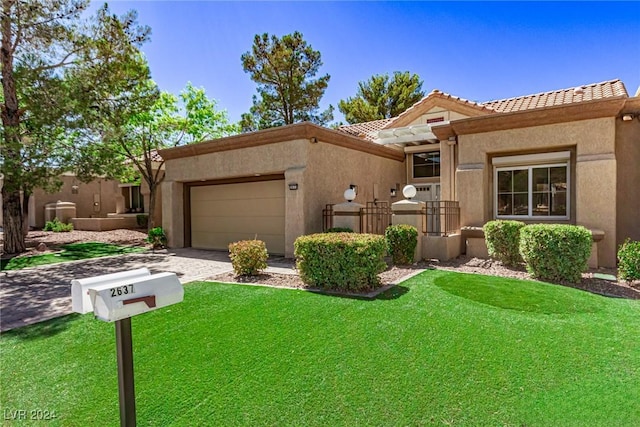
304,130
609,107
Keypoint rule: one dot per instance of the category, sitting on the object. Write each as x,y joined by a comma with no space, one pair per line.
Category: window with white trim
535,191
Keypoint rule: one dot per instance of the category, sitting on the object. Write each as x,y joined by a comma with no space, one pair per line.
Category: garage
228,212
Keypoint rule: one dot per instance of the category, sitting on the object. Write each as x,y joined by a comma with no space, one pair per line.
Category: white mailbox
125,298
80,301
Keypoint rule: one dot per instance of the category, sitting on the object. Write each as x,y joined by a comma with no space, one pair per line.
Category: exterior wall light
349,195
354,188
293,186
627,117
392,192
409,191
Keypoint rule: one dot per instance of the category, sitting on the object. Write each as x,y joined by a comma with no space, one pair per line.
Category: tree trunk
26,195
12,164
12,222
152,206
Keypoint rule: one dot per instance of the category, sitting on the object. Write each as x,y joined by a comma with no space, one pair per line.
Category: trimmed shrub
345,261
629,261
157,238
248,257
402,240
142,220
339,230
555,252
57,226
503,240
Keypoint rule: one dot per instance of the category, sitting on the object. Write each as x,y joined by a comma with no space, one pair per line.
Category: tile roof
366,130
594,91
589,92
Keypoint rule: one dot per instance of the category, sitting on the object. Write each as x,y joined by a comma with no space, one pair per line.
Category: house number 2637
122,290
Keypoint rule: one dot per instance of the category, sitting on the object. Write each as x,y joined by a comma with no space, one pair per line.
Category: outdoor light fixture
354,187
627,117
393,192
293,186
349,194
74,189
409,191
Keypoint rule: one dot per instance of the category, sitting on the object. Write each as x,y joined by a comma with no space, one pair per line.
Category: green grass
441,349
70,252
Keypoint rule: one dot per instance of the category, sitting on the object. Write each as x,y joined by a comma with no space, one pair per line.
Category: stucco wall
100,191
288,158
332,169
628,179
594,191
322,172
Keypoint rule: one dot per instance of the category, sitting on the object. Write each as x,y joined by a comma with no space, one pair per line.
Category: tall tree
55,64
144,121
382,97
284,69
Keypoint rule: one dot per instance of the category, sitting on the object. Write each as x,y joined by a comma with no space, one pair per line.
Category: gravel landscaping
590,280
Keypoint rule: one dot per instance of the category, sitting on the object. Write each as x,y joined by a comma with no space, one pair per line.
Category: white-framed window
539,190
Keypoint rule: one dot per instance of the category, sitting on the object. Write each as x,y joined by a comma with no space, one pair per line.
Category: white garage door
225,213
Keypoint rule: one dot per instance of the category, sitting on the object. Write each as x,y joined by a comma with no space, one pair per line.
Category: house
565,156
98,205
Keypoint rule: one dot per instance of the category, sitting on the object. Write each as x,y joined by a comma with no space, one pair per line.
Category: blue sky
476,50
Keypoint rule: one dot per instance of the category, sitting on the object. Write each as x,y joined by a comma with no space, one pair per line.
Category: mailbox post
116,298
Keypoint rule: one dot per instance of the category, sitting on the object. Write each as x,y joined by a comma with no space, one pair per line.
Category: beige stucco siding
93,199
628,179
592,143
332,169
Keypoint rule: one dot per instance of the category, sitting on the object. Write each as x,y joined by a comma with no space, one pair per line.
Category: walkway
41,293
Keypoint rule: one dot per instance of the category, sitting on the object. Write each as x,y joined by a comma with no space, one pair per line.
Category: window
426,165
535,191
133,199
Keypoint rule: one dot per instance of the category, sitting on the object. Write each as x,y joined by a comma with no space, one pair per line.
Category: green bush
629,261
157,238
345,261
339,230
248,257
57,226
402,240
142,220
503,240
555,252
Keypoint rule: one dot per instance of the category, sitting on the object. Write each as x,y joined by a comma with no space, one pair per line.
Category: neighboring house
566,156
101,204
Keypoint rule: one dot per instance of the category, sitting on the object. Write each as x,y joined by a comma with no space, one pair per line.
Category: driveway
36,294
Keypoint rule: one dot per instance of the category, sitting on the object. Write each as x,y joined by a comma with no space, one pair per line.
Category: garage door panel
244,208
233,224
210,240
221,214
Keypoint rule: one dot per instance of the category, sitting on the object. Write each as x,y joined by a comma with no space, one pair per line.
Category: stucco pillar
173,213
410,212
596,202
471,189
447,170
347,215
294,208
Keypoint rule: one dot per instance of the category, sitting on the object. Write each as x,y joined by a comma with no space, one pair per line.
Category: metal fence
327,217
441,218
375,217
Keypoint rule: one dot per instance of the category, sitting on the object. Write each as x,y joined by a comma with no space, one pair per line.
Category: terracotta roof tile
607,89
572,95
366,130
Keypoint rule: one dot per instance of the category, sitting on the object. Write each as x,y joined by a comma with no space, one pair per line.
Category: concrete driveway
41,293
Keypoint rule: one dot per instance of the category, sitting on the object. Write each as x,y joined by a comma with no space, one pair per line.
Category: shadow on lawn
45,329
519,295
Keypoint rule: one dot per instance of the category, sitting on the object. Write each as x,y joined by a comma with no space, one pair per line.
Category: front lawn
441,349
70,252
